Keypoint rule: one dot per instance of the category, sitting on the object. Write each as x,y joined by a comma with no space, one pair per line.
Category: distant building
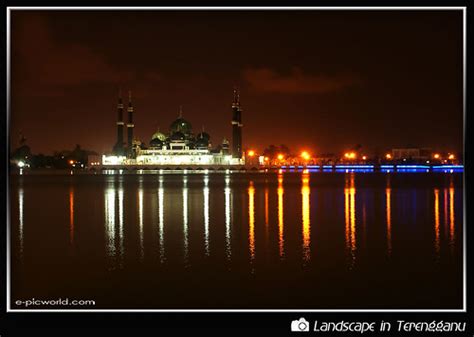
180,146
21,156
411,154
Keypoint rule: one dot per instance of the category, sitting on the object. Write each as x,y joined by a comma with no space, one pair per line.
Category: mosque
179,146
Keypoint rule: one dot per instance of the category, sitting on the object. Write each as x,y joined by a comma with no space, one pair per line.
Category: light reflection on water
71,215
451,214
121,223
251,208
206,214
436,222
161,220
388,200
140,220
350,217
21,222
281,240
241,224
114,217
306,215
185,220
110,222
228,217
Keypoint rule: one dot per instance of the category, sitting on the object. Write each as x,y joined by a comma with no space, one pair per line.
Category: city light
364,157
436,156
451,156
71,162
251,153
350,155
388,156
266,159
305,155
280,157
21,164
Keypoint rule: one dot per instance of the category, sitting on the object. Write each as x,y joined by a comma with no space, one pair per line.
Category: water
239,240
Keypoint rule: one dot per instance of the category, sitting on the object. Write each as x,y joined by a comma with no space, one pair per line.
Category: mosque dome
158,135
202,143
177,135
203,135
181,125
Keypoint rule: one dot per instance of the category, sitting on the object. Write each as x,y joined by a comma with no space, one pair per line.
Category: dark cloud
50,64
268,80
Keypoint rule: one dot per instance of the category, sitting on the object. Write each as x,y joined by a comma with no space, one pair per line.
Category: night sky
323,80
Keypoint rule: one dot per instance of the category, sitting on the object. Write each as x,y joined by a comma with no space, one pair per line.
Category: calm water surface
239,240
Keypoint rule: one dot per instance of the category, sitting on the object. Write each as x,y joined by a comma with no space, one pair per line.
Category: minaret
118,149
130,125
236,126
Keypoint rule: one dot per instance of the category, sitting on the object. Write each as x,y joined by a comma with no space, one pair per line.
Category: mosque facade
179,146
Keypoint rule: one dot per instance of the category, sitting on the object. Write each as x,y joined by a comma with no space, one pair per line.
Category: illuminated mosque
180,146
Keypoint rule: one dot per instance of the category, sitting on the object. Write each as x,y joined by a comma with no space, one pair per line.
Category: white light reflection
206,214
20,217
185,219
228,212
110,222
161,221
140,218
120,233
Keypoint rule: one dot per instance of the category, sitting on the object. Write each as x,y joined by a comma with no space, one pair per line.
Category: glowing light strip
413,166
449,166
354,166
386,166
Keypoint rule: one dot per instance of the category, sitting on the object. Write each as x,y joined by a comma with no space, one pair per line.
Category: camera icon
300,325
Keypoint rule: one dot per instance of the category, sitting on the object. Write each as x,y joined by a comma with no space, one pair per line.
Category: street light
305,155
350,155
251,153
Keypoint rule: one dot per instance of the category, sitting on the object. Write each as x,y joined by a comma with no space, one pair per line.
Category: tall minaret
118,149
236,126
130,125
